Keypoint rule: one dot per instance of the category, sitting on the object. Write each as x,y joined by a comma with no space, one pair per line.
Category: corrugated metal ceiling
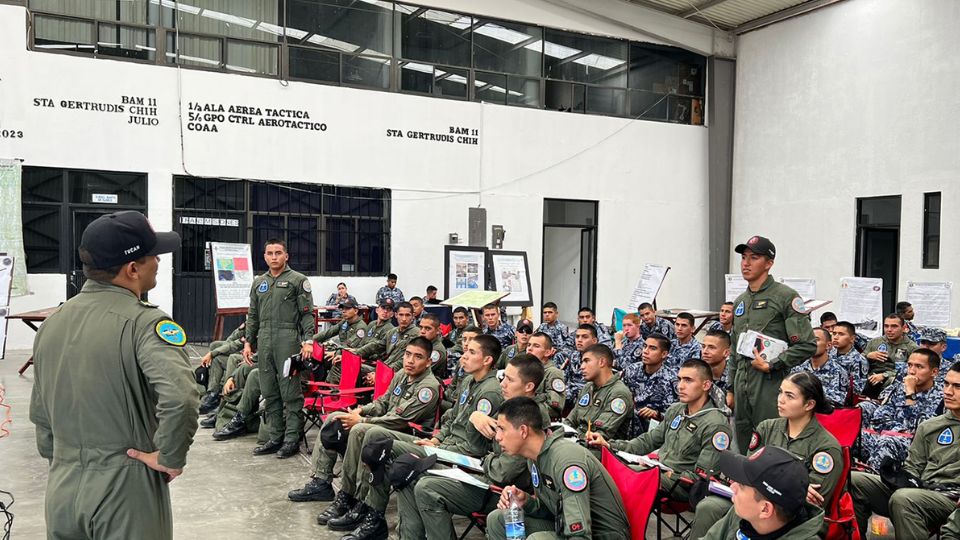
725,14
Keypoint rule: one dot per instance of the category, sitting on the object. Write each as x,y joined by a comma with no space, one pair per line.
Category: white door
561,271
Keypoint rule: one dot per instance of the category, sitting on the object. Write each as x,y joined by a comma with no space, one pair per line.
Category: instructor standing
113,385
775,310
280,323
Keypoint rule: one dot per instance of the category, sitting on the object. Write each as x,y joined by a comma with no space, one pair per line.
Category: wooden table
29,318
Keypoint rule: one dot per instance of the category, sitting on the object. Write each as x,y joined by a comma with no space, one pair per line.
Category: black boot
351,520
341,505
373,527
236,427
269,447
289,449
209,422
315,490
210,401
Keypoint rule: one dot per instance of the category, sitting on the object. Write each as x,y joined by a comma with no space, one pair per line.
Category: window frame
928,235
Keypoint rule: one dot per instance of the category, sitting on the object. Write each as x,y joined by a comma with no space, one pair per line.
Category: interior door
562,254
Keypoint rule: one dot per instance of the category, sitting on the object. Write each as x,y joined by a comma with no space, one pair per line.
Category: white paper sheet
931,302
861,303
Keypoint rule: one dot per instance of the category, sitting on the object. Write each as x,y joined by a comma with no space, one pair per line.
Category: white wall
855,100
649,178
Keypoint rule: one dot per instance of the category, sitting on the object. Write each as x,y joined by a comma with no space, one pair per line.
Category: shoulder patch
306,286
361,333
534,475
676,422
618,406
394,338
171,332
739,310
344,325
398,390
721,441
262,288
484,406
558,385
798,306
511,353
584,400
574,478
434,356
945,437
425,395
754,441
822,462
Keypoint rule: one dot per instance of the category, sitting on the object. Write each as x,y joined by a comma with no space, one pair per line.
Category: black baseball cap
525,324
334,437
776,474
759,245
407,468
376,454
348,304
387,303
118,238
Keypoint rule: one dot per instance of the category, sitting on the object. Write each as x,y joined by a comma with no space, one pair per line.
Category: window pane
684,110
358,202
340,245
314,65
508,47
490,87
130,189
247,19
525,92
253,57
302,244
663,69
342,25
435,36
126,42
194,50
265,228
132,11
931,230
607,101
416,77
53,33
561,96
451,82
648,105
576,57
41,237
372,247
369,72
41,184
879,211
202,193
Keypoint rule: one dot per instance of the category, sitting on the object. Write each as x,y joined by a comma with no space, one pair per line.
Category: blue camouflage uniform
935,335
894,415
630,352
660,326
833,376
680,352
560,334
914,331
856,365
657,391
574,376
504,333
860,342
717,325
385,292
604,335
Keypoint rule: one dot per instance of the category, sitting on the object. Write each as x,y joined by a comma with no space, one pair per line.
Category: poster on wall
734,286
861,303
931,302
805,287
648,286
512,274
232,274
465,269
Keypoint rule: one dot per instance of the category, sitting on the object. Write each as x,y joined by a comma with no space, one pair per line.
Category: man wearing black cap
113,384
280,323
522,334
351,331
772,309
769,498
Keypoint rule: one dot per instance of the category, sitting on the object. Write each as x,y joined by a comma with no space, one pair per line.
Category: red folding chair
323,399
479,519
844,425
639,490
382,378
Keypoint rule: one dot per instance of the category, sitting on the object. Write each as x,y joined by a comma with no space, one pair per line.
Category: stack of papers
643,460
459,475
770,347
455,458
719,489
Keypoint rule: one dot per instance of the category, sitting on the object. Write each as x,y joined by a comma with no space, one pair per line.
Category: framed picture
511,273
465,270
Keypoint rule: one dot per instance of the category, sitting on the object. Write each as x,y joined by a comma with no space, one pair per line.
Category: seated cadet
605,402
417,303
654,325
553,389
905,310
375,344
494,326
919,497
431,297
430,329
691,442
628,345
716,353
412,396
903,406
239,411
456,375
216,361
586,337
935,339
559,333
522,333
575,497
361,503
835,379
884,352
427,509
798,432
725,324
586,315
843,334
768,498
396,339
351,333
460,321
390,291
684,346
652,385
828,320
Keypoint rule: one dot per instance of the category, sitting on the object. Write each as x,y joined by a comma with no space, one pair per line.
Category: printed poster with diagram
232,274
648,286
861,303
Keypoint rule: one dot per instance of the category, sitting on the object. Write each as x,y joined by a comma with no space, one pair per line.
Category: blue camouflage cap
933,335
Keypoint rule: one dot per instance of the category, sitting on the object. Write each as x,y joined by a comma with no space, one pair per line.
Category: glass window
608,101
371,72
130,188
563,96
662,69
302,244
341,245
931,230
266,228
508,47
54,33
524,92
248,57
203,193
373,246
131,11
194,50
436,80
314,64
430,35
576,57
648,105
451,82
490,87
245,19
126,42
342,25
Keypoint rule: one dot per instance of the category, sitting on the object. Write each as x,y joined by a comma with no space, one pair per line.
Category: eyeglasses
525,331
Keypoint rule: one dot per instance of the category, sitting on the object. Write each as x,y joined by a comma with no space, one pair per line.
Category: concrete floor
224,492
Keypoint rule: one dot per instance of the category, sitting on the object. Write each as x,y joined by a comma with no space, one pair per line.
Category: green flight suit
349,334
279,320
553,389
607,412
934,458
457,433
777,311
110,374
375,345
406,400
427,508
220,352
728,528
244,398
815,446
951,531
507,355
574,495
438,358
897,351
397,341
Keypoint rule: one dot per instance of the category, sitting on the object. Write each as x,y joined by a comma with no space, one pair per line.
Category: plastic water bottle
516,529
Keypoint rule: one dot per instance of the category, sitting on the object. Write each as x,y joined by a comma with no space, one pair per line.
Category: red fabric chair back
318,351
844,424
637,488
381,379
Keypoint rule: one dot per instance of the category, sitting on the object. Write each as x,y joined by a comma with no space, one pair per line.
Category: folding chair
638,489
844,425
323,402
382,378
479,519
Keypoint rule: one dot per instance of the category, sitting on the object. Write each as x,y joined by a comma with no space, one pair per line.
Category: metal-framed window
931,230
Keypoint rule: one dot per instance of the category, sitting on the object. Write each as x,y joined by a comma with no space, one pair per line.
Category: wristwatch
912,396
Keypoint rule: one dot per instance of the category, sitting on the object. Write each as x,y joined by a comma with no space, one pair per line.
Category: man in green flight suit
396,338
112,385
575,496
280,323
217,361
351,331
430,329
553,389
772,309
885,352
606,404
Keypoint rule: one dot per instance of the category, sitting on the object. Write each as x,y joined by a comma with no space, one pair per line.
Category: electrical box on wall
478,227
497,233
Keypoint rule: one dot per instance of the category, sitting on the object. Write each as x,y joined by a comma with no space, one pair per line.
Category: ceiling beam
704,6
